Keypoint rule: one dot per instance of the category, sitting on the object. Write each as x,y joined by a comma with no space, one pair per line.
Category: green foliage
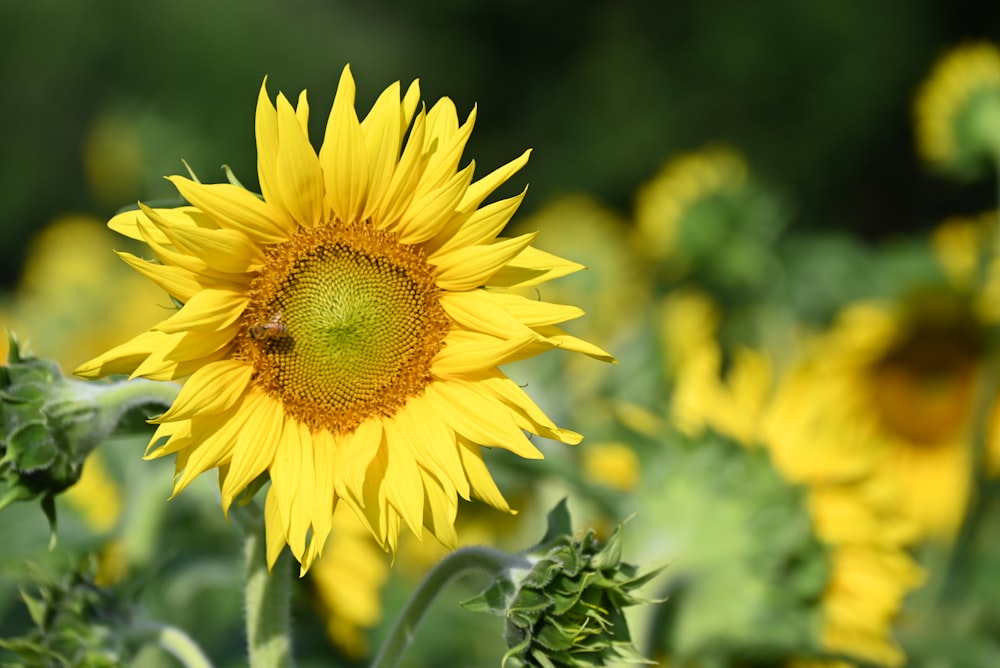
566,607
76,623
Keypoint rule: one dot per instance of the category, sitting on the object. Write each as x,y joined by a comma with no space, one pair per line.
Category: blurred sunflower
957,110
851,510
891,391
347,583
683,183
702,217
336,333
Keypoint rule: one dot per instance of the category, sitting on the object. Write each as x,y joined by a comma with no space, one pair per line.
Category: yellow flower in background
957,109
680,185
347,583
73,296
855,510
890,391
614,465
336,333
688,323
964,247
870,573
732,405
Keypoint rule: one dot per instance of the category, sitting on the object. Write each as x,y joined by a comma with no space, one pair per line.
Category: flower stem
458,563
174,641
268,596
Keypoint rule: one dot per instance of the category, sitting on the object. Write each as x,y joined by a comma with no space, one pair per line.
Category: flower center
342,325
924,385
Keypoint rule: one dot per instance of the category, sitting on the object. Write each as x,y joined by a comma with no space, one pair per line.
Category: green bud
49,424
564,606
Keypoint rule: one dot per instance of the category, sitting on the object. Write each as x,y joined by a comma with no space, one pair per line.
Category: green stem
174,641
458,563
268,596
139,392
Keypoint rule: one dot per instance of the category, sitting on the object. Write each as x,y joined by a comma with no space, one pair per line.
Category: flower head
957,110
342,333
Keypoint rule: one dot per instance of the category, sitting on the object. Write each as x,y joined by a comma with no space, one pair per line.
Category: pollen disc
352,321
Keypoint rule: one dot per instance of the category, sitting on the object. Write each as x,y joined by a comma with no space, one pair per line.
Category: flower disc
342,325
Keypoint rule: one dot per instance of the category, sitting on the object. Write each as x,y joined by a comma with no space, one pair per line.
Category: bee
272,329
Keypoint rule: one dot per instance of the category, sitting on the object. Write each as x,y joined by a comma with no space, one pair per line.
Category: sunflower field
298,370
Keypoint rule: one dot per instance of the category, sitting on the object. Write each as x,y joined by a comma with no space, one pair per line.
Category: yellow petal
435,444
404,180
473,266
383,133
355,456
444,144
215,450
480,420
234,208
440,510
299,175
227,250
344,156
177,282
481,227
527,414
274,529
531,267
323,452
255,446
403,484
210,309
483,486
288,473
467,353
479,311
214,388
123,358
266,129
427,214
482,188
557,338
536,313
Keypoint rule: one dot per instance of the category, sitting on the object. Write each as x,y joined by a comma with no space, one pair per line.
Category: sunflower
899,386
957,109
686,181
342,333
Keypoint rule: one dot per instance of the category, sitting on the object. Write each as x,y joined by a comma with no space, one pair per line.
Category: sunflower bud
958,111
49,424
565,607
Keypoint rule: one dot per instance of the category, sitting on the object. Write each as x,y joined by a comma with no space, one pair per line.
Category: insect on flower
272,329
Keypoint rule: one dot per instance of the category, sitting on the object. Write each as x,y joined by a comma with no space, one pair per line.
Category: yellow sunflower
684,181
957,109
905,378
343,332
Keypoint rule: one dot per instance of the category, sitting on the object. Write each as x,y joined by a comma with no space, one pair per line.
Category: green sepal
566,609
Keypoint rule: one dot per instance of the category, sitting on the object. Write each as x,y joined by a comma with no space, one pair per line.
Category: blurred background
105,97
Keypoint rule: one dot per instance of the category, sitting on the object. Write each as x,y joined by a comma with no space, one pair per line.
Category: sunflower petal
299,175
473,266
235,208
214,388
344,156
